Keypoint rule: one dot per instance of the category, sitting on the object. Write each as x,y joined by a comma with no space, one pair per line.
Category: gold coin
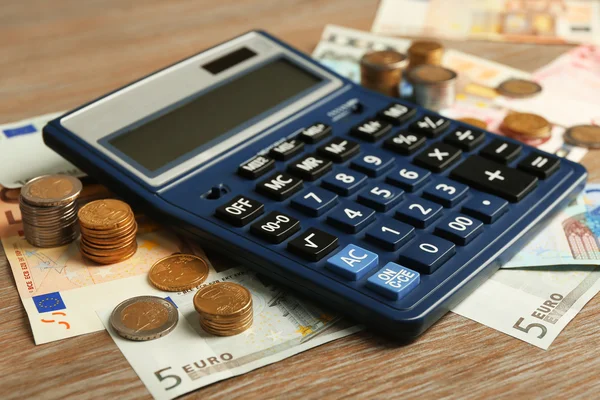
584,135
144,318
425,52
223,298
104,214
474,121
431,74
526,124
518,88
51,190
178,272
381,71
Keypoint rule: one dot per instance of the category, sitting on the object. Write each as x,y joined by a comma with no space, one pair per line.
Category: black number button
397,113
405,142
438,157
256,167
286,150
465,138
275,227
429,125
494,178
339,149
501,151
539,165
240,210
315,133
371,129
313,244
310,167
279,186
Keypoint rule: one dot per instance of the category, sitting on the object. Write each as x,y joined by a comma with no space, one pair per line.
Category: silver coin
50,190
144,318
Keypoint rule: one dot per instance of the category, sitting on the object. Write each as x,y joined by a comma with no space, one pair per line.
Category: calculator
371,205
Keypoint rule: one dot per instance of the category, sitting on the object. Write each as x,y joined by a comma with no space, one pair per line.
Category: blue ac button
394,281
353,262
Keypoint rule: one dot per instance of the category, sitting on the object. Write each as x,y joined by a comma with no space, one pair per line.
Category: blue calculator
383,210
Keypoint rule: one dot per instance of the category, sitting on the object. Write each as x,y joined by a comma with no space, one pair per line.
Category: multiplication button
275,227
240,210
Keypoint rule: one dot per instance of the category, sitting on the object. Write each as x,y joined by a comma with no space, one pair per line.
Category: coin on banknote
144,318
382,71
584,136
474,121
425,52
434,86
51,190
224,308
178,272
104,214
526,124
518,88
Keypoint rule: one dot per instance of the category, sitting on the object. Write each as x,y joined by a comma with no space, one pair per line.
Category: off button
240,210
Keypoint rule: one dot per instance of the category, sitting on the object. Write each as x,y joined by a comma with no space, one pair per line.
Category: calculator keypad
314,201
501,151
315,133
275,227
390,234
396,113
310,167
339,149
539,165
485,207
287,149
353,262
408,177
465,138
344,181
380,196
459,228
240,210
255,167
351,217
405,142
430,125
445,191
427,253
438,157
394,281
373,163
313,244
418,212
371,129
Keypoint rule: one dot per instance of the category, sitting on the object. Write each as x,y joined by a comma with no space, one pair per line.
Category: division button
353,262
394,281
485,207
310,167
540,165
256,167
438,157
371,129
240,210
465,138
313,244
430,125
315,133
390,234
397,113
279,186
405,142
494,178
286,150
275,227
314,201
339,149
427,253
501,151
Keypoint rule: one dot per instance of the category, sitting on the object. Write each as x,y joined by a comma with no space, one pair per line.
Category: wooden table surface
59,54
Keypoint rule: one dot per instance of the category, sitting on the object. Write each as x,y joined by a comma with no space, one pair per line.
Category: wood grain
59,54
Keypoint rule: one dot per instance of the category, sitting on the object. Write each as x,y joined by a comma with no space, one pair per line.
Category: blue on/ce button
394,281
353,262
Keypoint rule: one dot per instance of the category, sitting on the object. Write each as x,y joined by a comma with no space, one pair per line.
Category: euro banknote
188,358
525,21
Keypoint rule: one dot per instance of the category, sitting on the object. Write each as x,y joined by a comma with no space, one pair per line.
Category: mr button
240,211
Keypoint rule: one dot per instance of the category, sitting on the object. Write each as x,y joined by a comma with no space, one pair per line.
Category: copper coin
474,121
118,233
51,190
527,124
110,259
104,214
223,298
425,52
584,135
381,71
518,88
144,318
431,74
528,140
178,272
226,332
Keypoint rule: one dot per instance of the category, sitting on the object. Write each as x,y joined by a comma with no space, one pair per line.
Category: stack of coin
224,308
144,318
434,87
530,129
178,272
49,210
584,136
381,71
518,88
108,231
425,52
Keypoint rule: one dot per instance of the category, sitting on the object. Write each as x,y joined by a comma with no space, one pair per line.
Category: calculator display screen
183,129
